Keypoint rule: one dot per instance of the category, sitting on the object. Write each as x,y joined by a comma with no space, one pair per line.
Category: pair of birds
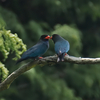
61,48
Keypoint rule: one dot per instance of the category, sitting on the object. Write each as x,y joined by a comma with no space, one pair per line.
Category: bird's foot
66,54
40,57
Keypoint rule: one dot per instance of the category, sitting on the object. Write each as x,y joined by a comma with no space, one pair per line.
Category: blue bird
62,46
37,50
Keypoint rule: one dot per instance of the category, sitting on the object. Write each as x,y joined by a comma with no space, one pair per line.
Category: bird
62,46
37,50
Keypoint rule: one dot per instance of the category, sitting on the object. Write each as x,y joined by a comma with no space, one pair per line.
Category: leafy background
78,21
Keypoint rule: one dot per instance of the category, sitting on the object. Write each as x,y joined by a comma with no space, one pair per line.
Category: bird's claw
40,57
66,54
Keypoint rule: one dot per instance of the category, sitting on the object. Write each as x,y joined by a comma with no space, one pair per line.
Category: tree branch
45,61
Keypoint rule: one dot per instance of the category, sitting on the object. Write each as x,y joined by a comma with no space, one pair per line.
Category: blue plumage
37,50
62,46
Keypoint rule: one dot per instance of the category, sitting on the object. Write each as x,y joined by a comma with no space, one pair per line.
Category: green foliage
2,22
51,88
2,99
3,72
11,43
12,23
34,28
86,80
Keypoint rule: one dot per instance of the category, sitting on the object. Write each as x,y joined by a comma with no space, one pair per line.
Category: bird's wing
35,51
29,52
32,49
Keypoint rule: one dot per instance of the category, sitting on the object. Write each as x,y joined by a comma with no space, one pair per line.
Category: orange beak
51,37
47,37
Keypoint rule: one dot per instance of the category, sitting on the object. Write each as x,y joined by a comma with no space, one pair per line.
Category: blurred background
78,21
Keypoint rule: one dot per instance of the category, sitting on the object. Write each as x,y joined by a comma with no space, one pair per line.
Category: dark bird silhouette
37,50
61,46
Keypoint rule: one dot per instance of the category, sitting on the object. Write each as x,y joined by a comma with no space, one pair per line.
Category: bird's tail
61,57
19,60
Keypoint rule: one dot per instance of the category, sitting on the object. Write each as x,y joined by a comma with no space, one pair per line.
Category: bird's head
55,37
45,37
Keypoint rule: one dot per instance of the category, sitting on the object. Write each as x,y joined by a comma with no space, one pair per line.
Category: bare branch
79,60
47,60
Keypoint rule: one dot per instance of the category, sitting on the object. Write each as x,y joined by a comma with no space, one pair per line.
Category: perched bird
37,50
61,46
